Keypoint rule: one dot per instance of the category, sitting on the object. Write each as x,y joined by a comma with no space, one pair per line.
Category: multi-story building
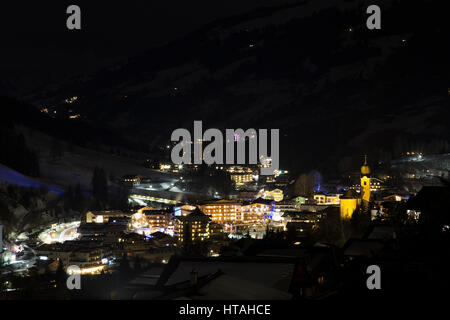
276,194
104,216
247,195
159,219
223,211
287,205
327,199
90,257
302,216
131,180
193,227
256,211
241,175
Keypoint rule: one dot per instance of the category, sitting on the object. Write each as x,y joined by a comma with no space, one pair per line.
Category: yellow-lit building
365,181
241,175
327,199
193,227
255,212
147,217
351,201
223,211
101,217
276,194
144,209
187,209
241,178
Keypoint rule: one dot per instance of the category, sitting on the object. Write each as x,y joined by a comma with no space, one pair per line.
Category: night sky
37,48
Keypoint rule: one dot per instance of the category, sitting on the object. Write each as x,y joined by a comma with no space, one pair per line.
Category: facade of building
256,211
276,194
241,175
310,219
229,212
352,201
131,180
223,211
327,199
88,256
103,216
193,227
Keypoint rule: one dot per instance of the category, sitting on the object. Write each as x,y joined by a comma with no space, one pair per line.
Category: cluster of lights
71,100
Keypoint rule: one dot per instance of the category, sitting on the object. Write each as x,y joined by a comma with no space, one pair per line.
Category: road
61,233
68,234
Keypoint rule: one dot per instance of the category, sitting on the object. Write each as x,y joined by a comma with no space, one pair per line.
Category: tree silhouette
100,185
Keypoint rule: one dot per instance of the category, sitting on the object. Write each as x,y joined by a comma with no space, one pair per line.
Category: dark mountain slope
312,69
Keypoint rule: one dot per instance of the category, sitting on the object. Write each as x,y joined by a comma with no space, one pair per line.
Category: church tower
365,182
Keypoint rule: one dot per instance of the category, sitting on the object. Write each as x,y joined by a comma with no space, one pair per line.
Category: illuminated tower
365,184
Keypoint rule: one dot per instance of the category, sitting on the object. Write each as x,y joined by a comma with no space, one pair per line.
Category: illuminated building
265,162
159,219
276,194
80,253
215,229
133,242
144,209
282,178
131,180
153,220
319,198
241,178
89,257
183,210
193,227
256,211
71,100
365,184
101,217
223,211
287,205
302,216
164,167
327,199
350,202
241,175
375,185
138,220
301,199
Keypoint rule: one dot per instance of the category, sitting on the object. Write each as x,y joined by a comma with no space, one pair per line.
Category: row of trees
104,196
15,153
307,183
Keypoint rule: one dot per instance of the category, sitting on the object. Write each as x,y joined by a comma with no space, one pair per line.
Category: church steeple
365,181
365,169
